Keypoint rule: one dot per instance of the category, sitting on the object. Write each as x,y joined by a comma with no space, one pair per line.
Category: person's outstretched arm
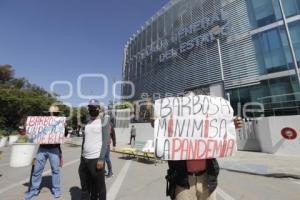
105,139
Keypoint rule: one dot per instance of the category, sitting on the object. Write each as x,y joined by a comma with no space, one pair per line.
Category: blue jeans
107,160
41,158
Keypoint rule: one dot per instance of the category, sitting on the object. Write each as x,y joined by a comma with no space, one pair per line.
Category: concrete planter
12,139
22,154
3,141
270,137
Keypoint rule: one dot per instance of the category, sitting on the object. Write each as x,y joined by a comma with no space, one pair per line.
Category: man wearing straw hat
54,154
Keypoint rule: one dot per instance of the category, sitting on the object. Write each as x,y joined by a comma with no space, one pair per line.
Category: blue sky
58,40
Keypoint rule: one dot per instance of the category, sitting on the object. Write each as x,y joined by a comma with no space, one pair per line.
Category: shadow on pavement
273,175
140,160
75,193
126,158
46,182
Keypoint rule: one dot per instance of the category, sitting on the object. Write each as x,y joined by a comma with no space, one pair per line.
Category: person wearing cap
54,154
94,147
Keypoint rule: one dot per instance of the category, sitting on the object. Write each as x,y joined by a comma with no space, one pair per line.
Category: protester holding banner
49,149
94,147
196,177
191,132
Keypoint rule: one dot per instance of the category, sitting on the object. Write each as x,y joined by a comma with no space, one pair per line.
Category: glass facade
280,96
176,50
264,12
272,51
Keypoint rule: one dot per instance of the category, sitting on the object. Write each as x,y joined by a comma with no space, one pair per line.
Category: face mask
94,113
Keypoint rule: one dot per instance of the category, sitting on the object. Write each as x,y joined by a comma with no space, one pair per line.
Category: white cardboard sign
193,128
45,129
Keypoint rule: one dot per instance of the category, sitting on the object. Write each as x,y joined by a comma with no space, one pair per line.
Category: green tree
66,110
78,114
124,105
19,99
2,122
6,73
16,104
18,83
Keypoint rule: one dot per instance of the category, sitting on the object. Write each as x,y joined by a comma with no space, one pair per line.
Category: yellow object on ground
134,152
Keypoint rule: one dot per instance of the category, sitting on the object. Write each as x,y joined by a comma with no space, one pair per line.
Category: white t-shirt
93,139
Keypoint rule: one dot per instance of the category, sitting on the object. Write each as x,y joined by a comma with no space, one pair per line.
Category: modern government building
238,49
